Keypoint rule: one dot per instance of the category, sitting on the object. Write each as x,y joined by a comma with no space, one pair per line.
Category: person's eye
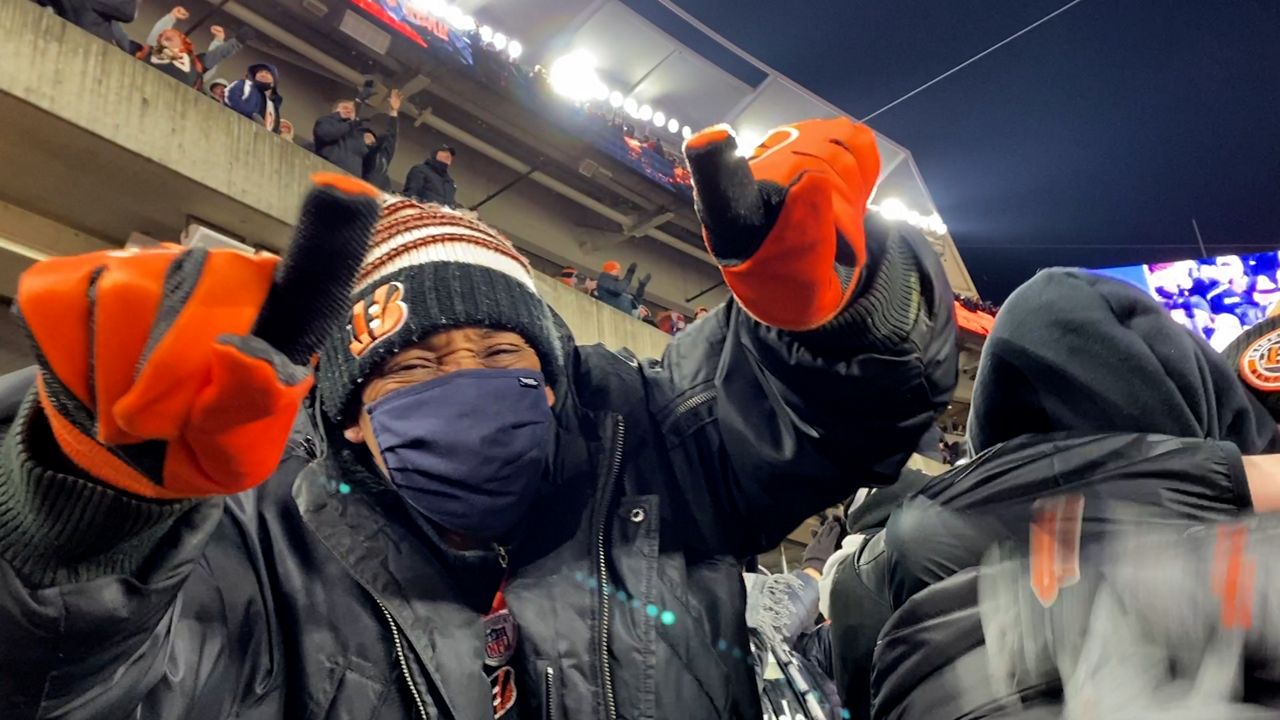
412,365
503,350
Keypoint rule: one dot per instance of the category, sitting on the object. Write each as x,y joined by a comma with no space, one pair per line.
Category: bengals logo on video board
377,316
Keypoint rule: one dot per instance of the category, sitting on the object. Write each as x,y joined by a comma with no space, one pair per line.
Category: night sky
1092,140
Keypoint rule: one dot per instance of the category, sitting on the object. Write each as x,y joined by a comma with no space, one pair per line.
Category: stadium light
574,76
601,92
893,209
630,106
514,48
659,119
748,140
686,132
499,41
615,99
673,126
486,33
646,113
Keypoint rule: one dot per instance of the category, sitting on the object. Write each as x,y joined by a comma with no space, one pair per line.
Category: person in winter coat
257,96
1056,409
217,89
102,18
171,52
477,518
431,182
340,138
382,148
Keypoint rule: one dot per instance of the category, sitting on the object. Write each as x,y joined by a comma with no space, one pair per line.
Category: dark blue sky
1092,140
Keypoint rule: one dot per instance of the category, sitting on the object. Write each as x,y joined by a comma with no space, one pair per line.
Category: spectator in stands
339,138
170,51
672,322
381,149
257,96
645,315
431,182
103,18
616,291
700,313
569,276
217,89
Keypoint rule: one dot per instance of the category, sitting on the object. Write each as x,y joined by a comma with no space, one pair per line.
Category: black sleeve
414,182
801,421
124,11
387,146
329,129
107,599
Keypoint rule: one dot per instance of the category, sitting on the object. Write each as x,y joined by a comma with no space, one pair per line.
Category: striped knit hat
429,269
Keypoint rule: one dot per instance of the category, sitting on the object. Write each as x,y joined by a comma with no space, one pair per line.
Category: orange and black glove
786,226
175,373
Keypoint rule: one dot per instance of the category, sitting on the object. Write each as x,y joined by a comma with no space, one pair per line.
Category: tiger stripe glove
786,226
174,373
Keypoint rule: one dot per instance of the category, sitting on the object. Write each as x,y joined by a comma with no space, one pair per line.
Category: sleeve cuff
882,316
56,528
1239,478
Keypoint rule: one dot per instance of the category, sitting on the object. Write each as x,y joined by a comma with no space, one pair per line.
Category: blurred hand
394,101
180,13
286,130
218,32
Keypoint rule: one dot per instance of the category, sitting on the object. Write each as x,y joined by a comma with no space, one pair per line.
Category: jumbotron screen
1217,297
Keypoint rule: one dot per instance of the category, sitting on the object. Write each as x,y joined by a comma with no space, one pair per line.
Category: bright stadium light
645,113
574,76
748,140
673,126
686,132
630,106
893,209
486,33
602,92
499,41
659,119
514,48
615,99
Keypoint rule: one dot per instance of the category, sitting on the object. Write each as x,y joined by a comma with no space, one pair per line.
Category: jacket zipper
602,570
404,662
695,402
549,711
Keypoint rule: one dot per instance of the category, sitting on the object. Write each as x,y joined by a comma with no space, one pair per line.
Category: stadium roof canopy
638,59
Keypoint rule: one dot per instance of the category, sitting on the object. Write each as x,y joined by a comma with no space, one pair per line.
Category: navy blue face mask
467,449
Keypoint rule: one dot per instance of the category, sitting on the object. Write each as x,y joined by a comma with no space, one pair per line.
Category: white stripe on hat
417,248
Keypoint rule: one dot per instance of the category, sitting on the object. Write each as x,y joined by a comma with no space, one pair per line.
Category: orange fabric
90,455
613,267
226,300
975,322
1233,577
345,183
708,137
829,168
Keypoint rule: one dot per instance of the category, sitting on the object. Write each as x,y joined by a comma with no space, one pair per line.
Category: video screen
1217,297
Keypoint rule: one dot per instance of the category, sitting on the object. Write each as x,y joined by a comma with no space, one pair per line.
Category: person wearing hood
382,148
340,138
217,89
257,96
170,51
431,182
480,518
1085,387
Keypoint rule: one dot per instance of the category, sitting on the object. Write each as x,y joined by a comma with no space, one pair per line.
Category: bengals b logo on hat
377,316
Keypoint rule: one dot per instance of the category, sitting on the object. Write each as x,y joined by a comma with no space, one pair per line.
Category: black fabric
431,182
341,142
1076,352
376,164
99,17
285,601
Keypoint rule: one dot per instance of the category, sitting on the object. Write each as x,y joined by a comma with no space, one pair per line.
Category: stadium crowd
378,478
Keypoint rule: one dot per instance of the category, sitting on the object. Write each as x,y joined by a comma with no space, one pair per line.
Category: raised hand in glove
786,226
823,545
177,373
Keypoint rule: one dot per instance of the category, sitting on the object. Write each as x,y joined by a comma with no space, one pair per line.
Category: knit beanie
430,269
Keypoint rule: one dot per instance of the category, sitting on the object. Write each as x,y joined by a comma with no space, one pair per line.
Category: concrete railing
100,145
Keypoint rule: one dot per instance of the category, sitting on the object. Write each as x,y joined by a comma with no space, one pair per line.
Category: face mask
263,86
467,449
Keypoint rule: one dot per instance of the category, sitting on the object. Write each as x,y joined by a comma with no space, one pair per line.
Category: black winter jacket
431,182
98,17
376,166
315,595
341,142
